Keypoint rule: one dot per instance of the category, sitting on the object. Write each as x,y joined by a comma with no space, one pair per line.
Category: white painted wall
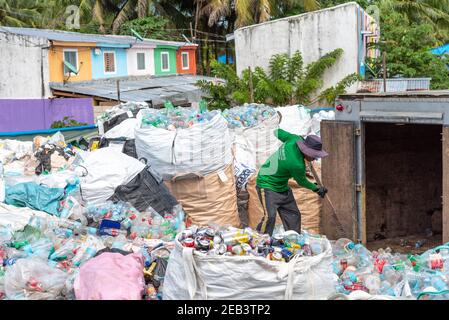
313,34
24,67
132,62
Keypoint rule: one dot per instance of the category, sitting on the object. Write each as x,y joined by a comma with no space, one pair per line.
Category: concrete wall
24,70
121,64
313,34
39,114
132,62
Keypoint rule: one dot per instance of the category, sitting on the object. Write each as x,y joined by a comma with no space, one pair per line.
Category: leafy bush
287,81
67,122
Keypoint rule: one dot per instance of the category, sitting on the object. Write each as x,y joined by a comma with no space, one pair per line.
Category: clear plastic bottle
40,248
66,251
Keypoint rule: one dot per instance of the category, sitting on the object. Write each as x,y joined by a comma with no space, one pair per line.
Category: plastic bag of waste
33,279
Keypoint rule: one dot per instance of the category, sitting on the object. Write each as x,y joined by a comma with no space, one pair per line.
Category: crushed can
188,243
286,254
209,234
276,256
237,250
277,241
246,247
202,244
222,249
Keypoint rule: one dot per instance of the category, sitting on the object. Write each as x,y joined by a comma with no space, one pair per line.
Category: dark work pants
282,202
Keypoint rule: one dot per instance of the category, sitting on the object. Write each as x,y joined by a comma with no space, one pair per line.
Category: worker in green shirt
272,181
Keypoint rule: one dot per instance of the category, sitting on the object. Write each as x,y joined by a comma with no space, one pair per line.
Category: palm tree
178,11
19,13
246,12
435,12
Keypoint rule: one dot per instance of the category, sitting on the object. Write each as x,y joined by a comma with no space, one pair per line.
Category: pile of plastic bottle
121,218
66,245
240,242
176,118
383,272
248,115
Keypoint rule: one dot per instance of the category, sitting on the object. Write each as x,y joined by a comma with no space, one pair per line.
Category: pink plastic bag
111,276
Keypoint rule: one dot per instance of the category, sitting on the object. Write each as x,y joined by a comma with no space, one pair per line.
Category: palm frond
244,13
142,8
125,14
216,9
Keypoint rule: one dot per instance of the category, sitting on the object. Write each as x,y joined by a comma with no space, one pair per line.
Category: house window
165,61
140,61
70,56
109,62
185,61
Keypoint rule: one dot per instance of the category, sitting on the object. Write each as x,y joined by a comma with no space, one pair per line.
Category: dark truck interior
403,186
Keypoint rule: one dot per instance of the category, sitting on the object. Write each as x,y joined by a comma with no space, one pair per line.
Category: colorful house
165,57
109,61
140,58
52,57
186,59
77,54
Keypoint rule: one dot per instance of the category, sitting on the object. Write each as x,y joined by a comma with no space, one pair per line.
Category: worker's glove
321,192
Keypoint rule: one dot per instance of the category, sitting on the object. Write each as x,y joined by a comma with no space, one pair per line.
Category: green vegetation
409,28
288,81
67,122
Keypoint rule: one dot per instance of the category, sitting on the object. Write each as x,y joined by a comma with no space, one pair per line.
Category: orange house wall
192,61
55,58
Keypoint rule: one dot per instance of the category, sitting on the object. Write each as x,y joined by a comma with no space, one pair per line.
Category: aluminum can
276,256
237,250
189,243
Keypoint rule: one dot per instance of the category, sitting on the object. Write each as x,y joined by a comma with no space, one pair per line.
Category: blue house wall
121,67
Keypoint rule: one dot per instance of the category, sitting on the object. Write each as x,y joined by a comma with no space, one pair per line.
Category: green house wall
158,61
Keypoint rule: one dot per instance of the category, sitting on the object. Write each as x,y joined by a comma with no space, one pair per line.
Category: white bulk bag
203,148
254,145
295,119
123,130
192,275
107,168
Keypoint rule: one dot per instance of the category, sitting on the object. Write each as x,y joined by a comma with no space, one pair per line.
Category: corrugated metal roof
395,85
67,36
154,89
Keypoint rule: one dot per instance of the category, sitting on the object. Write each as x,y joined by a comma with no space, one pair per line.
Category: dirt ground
407,244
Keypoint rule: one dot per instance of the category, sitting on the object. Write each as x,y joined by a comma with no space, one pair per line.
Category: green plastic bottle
203,106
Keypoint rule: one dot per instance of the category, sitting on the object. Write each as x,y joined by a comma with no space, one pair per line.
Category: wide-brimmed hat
312,147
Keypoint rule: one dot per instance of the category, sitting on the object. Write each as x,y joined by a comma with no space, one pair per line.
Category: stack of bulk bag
192,275
195,160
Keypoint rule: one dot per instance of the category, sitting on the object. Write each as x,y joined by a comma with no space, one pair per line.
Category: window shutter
109,63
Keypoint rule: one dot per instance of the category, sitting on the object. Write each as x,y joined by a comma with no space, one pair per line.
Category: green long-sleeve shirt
287,162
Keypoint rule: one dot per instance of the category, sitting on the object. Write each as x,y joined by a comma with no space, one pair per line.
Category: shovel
340,229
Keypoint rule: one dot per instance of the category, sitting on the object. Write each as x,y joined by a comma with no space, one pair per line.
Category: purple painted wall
39,114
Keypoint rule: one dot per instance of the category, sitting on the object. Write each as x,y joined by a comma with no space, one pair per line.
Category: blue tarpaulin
441,50
34,196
